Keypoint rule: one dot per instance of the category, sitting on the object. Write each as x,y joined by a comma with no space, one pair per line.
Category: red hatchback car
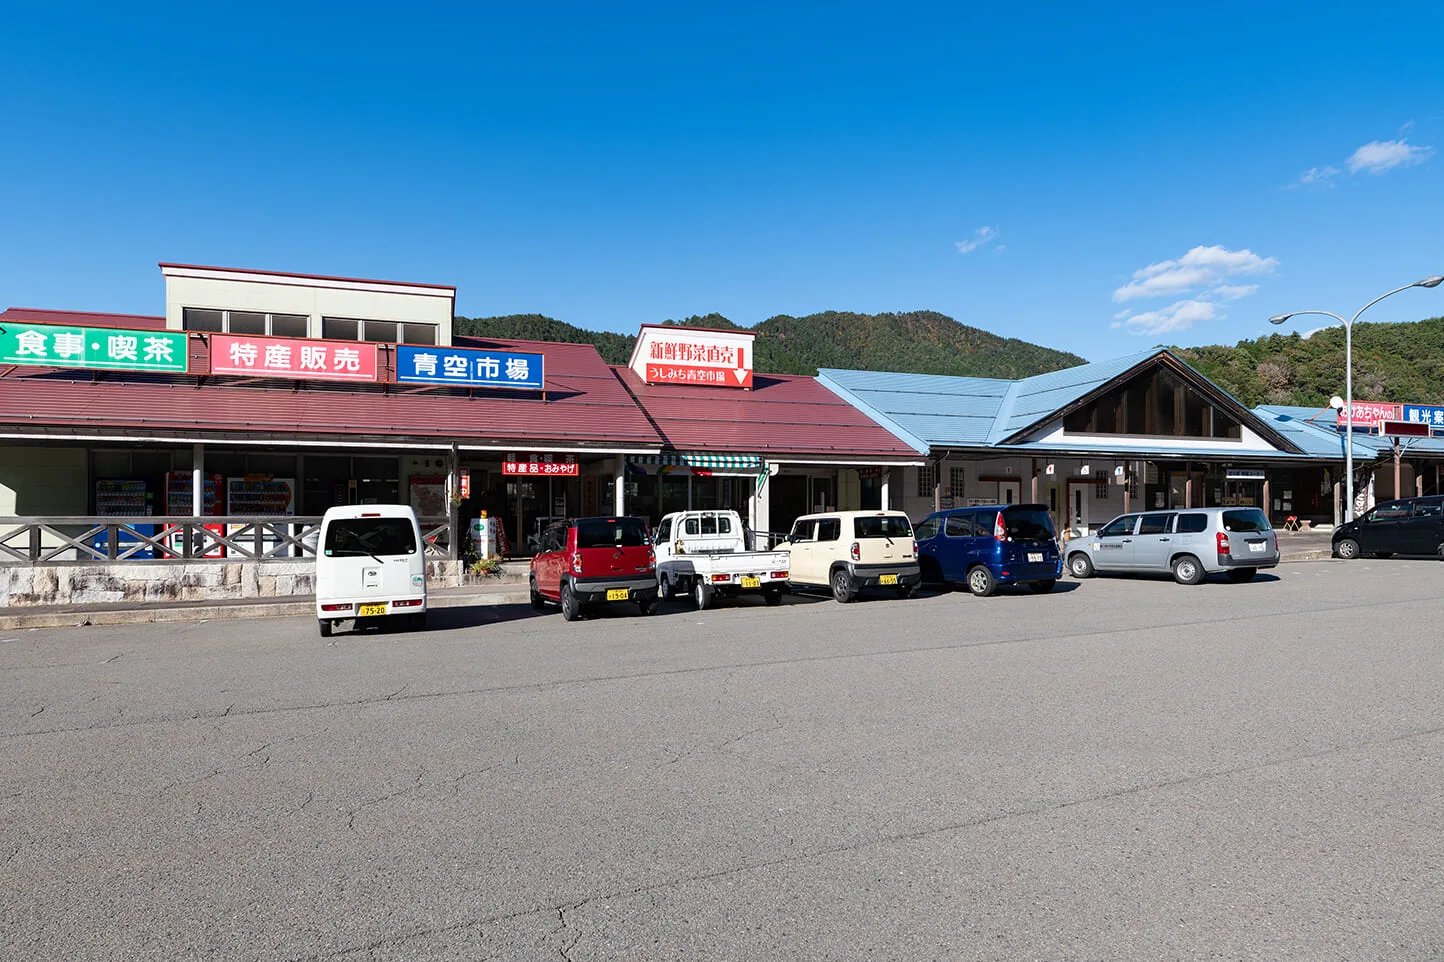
586,561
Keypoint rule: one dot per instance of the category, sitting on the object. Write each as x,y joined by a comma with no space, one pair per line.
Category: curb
225,612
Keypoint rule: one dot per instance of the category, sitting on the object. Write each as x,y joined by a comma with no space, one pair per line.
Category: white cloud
1319,178
1231,292
1385,155
1200,267
1122,314
981,236
1178,316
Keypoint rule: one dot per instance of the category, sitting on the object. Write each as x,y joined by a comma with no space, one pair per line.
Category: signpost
304,359
468,367
1405,429
95,348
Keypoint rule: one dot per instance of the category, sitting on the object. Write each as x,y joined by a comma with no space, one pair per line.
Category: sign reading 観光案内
469,367
103,348
293,357
671,354
1430,414
542,465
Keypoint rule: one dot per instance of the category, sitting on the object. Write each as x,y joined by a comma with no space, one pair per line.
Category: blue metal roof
1317,432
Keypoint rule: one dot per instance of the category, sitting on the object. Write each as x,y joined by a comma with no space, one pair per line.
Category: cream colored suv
848,551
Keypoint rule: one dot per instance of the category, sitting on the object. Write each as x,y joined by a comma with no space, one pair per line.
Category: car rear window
888,526
360,537
1245,520
612,533
1192,523
1027,524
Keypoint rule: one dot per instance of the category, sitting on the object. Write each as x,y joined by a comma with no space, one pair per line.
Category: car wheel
1187,570
772,596
842,588
1383,554
538,603
1042,587
326,625
981,581
1240,575
1347,548
906,591
701,594
1080,565
571,607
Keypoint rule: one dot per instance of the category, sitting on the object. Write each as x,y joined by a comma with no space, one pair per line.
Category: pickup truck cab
703,554
594,561
848,551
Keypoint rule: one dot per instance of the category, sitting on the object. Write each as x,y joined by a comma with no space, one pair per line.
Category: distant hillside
919,342
1392,362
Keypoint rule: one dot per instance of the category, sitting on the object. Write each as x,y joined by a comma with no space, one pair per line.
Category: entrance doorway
1079,494
1009,492
786,501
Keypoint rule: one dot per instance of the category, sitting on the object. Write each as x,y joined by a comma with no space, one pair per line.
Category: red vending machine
178,503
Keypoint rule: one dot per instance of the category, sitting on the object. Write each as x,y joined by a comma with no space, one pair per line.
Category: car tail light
346,607
576,562
780,575
1000,533
408,603
651,557
1222,543
721,577
856,551
915,546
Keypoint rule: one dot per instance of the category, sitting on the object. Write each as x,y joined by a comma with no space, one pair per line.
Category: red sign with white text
1370,413
542,469
293,357
678,360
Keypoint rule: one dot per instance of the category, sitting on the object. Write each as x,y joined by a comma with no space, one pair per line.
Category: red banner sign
548,469
1371,413
293,357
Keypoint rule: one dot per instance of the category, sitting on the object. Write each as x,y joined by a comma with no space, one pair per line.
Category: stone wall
140,582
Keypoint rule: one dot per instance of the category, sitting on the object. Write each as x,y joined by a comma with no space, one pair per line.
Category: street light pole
1433,281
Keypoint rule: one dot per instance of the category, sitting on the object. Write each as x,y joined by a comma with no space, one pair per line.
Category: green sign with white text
102,348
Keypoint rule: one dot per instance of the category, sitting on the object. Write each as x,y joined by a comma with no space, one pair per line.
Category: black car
1407,526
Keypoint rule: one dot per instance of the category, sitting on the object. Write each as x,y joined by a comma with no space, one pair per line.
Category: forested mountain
1392,362
919,342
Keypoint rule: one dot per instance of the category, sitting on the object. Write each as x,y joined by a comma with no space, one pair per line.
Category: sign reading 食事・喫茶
98,348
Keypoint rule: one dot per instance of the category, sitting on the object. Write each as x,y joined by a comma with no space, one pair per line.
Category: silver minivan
1191,543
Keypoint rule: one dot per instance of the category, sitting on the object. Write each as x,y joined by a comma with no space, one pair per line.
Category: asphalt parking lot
1123,769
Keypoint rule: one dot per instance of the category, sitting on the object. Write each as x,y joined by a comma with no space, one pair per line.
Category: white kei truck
703,554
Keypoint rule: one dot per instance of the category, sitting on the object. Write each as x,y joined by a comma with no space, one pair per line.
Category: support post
619,485
1337,514
938,485
886,481
1267,504
453,489
198,480
1397,492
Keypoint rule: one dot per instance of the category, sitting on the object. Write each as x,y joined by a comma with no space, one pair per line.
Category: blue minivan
990,545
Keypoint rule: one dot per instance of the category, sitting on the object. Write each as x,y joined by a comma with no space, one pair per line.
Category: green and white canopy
716,462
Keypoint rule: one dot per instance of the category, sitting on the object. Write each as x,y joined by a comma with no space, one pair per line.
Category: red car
588,561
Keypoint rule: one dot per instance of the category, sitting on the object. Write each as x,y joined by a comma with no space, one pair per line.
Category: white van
370,564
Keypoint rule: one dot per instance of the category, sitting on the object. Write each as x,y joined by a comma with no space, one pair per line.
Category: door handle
1164,539
1126,540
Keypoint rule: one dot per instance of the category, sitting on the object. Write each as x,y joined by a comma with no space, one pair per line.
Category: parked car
370,567
704,554
989,546
1192,543
594,561
848,551
1406,526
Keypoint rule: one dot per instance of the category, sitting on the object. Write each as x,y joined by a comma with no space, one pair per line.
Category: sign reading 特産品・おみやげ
103,348
469,367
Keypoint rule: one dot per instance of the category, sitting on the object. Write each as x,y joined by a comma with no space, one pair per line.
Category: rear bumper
1265,560
352,607
1018,574
870,576
593,590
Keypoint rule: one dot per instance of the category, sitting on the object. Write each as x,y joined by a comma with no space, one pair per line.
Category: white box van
370,564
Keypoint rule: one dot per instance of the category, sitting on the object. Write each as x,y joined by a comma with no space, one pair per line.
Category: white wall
43,481
1098,510
314,297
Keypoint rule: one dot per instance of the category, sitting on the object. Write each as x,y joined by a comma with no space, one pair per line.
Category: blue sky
1092,182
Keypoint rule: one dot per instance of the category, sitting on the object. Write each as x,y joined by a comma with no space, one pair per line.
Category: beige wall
43,481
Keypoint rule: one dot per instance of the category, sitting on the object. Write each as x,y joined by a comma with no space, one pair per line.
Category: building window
383,332
955,482
927,480
1101,491
244,322
1158,403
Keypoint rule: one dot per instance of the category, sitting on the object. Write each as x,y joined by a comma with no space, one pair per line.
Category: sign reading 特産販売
693,356
293,357
469,367
101,348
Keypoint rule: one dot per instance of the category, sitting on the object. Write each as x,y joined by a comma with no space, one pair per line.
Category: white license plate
368,611
1257,547
750,582
1035,556
618,594
887,579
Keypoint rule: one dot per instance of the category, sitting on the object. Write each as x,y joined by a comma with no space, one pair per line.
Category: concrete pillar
453,521
886,482
198,480
1033,483
619,485
938,485
758,504
1268,505
1337,500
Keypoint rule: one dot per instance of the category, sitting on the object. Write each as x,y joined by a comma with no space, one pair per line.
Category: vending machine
125,498
178,502
264,497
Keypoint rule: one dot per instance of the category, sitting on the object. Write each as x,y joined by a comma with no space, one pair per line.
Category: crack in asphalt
819,854
1213,621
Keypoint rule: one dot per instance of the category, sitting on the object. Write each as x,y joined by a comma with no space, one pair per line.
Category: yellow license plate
750,582
366,611
887,579
618,594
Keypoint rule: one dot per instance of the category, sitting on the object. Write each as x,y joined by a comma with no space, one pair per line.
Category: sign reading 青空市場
705,357
470,367
100,348
293,357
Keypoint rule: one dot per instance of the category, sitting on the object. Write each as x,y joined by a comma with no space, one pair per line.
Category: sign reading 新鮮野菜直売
293,357
470,367
668,354
100,348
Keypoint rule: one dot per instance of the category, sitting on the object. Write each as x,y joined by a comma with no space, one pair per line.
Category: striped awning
694,460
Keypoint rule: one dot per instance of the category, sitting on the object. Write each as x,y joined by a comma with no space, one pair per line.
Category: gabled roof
941,411
31,315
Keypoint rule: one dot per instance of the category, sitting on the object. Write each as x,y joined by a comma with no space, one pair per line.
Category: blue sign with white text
468,367
1430,414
